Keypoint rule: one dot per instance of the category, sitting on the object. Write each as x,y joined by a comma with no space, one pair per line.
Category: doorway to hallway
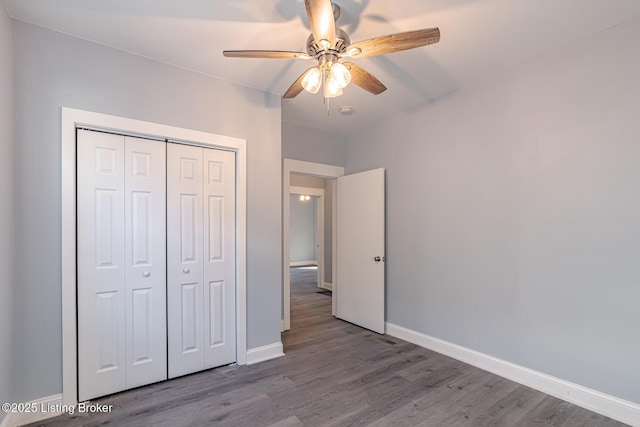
310,304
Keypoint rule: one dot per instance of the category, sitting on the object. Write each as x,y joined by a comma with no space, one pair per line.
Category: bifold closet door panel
121,202
219,254
201,258
185,296
145,251
101,264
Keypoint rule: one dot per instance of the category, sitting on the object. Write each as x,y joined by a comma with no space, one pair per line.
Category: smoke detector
346,110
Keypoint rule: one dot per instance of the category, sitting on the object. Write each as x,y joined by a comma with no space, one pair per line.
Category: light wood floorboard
337,374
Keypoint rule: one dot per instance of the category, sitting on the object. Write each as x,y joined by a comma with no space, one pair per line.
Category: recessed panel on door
142,326
216,313
106,241
107,311
189,227
141,223
216,229
190,315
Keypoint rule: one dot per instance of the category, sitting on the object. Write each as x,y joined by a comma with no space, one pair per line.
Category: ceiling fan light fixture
312,80
328,44
331,88
340,75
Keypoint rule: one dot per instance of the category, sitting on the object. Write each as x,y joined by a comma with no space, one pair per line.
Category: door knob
146,274
186,270
377,259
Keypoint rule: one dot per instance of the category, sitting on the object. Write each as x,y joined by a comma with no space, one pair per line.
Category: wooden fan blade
296,87
320,14
394,43
270,54
364,79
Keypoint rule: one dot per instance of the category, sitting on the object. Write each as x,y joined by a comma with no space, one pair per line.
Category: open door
360,247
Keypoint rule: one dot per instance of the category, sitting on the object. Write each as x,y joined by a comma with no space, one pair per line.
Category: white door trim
307,191
71,119
313,169
318,192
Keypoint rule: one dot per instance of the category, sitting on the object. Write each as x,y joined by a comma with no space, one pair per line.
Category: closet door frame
73,119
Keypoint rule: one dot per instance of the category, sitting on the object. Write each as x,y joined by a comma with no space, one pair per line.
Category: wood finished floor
337,374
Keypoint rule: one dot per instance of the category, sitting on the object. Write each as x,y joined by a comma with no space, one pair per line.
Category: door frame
71,119
319,225
313,169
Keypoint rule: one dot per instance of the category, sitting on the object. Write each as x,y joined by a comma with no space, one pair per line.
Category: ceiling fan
329,45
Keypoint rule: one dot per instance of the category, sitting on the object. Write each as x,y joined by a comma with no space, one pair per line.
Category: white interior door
201,258
121,263
360,247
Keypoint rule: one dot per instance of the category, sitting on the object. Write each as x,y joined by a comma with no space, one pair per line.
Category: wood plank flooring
337,374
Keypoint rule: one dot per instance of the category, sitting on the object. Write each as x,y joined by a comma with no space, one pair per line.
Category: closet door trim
72,119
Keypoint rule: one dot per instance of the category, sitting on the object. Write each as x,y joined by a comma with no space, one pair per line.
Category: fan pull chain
325,100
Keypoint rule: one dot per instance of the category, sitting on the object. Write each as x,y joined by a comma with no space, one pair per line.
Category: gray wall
303,229
6,205
302,244
301,143
54,70
513,213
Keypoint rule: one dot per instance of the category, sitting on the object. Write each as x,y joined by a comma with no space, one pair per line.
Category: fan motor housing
342,42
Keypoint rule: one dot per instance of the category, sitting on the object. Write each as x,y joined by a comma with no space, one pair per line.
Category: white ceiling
478,39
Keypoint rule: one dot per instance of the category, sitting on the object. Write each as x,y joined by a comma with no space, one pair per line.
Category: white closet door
145,237
185,259
201,258
219,254
101,264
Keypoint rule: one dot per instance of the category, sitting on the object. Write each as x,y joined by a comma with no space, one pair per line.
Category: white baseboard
264,353
46,407
303,263
610,406
328,286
